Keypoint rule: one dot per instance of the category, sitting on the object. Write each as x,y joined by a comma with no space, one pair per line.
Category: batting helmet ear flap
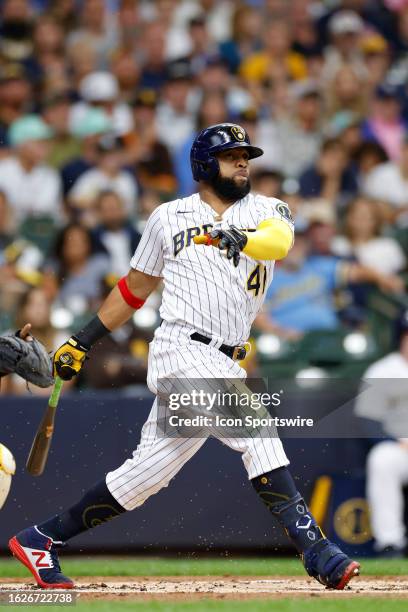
203,165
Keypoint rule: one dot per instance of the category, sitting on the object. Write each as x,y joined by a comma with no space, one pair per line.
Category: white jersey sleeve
272,208
148,257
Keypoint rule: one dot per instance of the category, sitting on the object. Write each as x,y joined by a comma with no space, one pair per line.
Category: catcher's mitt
29,360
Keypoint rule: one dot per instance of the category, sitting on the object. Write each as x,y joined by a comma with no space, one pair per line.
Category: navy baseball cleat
329,565
38,553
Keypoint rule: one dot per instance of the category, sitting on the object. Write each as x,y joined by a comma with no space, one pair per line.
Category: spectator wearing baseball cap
345,29
65,146
30,128
32,187
384,123
101,90
88,129
346,126
319,216
345,22
174,120
107,175
377,58
388,182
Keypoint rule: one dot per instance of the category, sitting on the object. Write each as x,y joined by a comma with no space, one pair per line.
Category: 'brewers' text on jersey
202,290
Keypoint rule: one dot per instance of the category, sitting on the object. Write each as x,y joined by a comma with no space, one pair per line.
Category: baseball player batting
212,292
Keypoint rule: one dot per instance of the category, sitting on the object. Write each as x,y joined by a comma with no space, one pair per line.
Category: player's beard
230,191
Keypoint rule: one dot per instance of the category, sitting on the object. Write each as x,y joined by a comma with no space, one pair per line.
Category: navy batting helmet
204,164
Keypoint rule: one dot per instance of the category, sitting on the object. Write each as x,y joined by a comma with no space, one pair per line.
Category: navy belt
234,352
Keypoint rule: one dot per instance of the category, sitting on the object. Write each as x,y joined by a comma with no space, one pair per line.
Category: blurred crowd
100,102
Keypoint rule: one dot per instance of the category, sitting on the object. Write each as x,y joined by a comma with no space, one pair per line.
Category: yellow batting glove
69,358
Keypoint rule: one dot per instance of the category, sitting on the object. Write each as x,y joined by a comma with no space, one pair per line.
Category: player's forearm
114,311
127,296
272,239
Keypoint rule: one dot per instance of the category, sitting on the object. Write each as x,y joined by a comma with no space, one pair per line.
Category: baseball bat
38,455
206,239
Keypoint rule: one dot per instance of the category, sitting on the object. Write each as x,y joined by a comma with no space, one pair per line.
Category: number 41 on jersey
257,280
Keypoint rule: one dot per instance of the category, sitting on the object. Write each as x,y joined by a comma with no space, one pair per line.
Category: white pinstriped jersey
202,288
203,292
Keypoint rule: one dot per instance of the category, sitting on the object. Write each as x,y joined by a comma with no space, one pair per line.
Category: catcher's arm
129,294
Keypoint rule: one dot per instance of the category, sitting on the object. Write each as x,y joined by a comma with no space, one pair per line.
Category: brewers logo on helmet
208,142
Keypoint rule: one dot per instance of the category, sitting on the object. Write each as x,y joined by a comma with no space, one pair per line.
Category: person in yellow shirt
276,60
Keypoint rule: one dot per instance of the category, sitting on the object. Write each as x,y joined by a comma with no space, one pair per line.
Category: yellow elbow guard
272,239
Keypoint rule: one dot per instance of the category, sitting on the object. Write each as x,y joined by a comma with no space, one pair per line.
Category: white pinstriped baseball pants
157,459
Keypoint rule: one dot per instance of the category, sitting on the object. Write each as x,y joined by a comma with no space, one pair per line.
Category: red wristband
130,299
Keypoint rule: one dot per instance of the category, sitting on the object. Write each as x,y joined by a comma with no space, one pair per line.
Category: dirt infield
186,588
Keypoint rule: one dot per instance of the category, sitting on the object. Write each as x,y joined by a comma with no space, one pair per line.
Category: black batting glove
233,240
